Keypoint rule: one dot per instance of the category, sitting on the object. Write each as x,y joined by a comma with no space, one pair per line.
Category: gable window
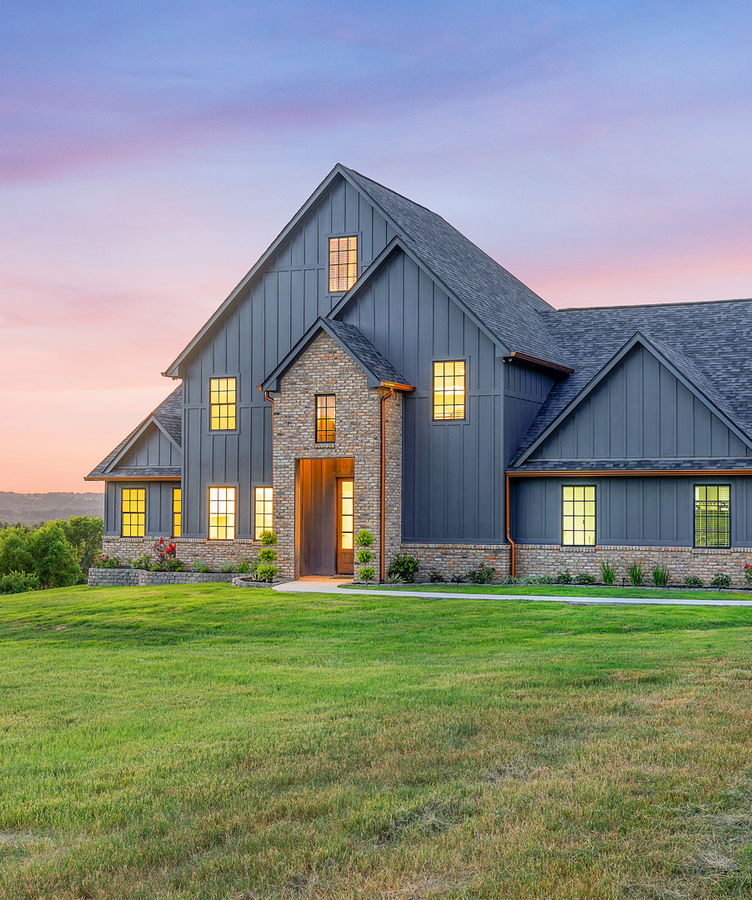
712,515
343,263
177,509
134,512
221,513
578,515
263,507
222,404
325,418
449,390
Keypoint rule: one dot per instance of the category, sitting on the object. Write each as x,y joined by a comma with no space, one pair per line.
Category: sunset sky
149,152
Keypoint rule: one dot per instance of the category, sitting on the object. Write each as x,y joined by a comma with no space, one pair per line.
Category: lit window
325,408
712,515
578,516
346,500
221,513
134,512
222,404
263,508
343,263
177,505
449,390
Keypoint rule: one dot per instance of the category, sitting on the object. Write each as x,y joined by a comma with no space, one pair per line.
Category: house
375,369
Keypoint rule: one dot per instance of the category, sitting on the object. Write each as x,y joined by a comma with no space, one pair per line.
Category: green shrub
564,577
15,552
18,582
661,575
84,534
267,556
106,561
54,559
584,578
226,568
363,556
692,581
403,565
481,575
198,566
268,538
175,565
719,580
608,572
367,573
748,572
435,577
246,566
393,579
457,578
636,573
266,572
144,562
363,538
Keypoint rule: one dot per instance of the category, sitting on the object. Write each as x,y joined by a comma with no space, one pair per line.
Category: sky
150,152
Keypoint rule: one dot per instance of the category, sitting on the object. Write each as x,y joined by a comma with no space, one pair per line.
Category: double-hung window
221,513
177,511
449,390
134,512
343,263
712,515
578,515
263,508
222,404
325,418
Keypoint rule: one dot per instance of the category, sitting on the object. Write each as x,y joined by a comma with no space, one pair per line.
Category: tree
15,554
84,534
54,560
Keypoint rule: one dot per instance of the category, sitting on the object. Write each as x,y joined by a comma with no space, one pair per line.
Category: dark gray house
375,369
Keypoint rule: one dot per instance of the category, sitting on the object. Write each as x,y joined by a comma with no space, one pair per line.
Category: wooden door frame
342,569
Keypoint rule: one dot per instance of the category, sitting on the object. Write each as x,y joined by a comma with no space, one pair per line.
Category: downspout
512,548
382,498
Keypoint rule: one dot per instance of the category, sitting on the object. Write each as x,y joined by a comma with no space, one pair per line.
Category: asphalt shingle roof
169,415
507,307
619,465
708,342
361,348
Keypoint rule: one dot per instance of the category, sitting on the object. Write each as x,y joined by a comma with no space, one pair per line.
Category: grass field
563,590
206,742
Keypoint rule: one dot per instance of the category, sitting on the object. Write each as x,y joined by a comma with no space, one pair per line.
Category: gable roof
502,303
168,417
378,369
706,345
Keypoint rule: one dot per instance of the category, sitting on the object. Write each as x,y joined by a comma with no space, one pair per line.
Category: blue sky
599,151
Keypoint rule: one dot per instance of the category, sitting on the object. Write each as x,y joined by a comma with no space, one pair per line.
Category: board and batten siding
276,309
641,411
453,472
652,511
158,506
525,389
153,449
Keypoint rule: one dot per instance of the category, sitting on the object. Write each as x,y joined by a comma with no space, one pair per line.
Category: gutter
512,547
382,492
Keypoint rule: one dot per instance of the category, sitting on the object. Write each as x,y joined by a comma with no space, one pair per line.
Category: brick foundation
547,559
458,559
211,553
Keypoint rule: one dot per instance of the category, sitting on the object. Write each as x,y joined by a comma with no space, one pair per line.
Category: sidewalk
325,585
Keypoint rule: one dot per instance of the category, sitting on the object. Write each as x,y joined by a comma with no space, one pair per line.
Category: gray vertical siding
453,472
524,392
278,307
158,506
652,511
153,449
641,410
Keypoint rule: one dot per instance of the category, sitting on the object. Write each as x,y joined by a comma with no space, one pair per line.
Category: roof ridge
566,309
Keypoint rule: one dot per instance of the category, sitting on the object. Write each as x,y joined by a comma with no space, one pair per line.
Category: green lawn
562,590
208,742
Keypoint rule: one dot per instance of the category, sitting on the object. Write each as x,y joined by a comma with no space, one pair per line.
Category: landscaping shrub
363,540
720,580
481,575
636,573
457,578
608,572
405,566
748,573
106,561
226,568
564,577
142,562
436,577
367,573
266,569
692,581
660,576
584,578
18,583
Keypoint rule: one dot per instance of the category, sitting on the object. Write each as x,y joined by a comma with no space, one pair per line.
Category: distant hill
32,509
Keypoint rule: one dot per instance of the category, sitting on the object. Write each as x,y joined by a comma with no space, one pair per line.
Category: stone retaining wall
548,559
140,577
458,559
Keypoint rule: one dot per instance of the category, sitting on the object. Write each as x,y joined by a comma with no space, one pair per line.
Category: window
712,515
343,263
346,524
449,390
177,507
134,512
325,409
221,513
263,508
222,404
578,515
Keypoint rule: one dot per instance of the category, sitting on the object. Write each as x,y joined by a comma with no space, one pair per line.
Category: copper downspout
512,548
382,498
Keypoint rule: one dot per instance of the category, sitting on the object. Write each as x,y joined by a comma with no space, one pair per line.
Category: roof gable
643,416
379,371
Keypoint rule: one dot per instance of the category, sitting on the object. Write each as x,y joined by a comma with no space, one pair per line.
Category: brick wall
458,559
542,559
326,369
212,553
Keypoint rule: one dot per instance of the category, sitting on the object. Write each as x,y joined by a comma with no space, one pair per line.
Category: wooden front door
345,520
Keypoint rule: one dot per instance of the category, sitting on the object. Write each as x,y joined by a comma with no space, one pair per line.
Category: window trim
339,237
706,484
316,419
123,489
465,418
215,431
255,488
210,487
594,486
180,513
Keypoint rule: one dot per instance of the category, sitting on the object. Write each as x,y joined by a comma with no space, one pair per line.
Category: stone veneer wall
542,559
458,559
212,553
133,577
324,368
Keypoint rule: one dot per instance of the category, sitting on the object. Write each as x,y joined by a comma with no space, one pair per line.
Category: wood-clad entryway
324,516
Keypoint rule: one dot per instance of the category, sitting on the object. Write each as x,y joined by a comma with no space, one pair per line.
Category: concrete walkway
322,585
